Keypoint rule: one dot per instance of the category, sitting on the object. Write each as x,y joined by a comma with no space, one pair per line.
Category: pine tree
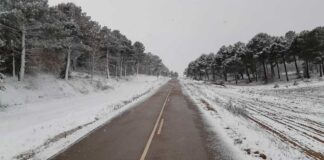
139,51
279,50
27,15
259,45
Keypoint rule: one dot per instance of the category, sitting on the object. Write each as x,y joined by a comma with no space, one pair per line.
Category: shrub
2,76
2,106
101,86
307,81
236,110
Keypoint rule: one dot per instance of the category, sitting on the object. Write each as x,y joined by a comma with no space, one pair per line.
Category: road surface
167,126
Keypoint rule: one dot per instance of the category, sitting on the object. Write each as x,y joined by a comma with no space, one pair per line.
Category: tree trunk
213,72
284,62
207,75
278,69
307,68
273,75
116,69
74,64
13,60
121,67
225,74
247,72
265,72
235,77
92,67
297,69
13,65
107,64
89,72
144,69
125,68
137,68
323,65
255,71
320,68
68,61
23,55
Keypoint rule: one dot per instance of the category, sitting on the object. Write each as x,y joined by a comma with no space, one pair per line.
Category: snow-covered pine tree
258,45
139,53
23,16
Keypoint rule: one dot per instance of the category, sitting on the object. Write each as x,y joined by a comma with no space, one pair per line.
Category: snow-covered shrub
101,86
221,83
307,80
2,106
236,110
106,87
2,76
276,86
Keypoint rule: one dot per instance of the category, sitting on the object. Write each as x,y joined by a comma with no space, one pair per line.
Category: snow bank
43,115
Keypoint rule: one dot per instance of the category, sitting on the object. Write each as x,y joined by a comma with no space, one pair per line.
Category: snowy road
166,126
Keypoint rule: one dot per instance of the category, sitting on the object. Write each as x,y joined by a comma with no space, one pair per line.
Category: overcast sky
181,30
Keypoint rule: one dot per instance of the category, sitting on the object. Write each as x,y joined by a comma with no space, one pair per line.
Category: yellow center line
160,128
154,129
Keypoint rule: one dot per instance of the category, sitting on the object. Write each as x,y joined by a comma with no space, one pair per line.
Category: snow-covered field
266,122
43,115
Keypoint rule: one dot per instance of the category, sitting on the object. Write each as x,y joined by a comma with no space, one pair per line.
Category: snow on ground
43,115
285,123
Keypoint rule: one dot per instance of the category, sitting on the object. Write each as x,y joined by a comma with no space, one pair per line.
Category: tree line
263,58
35,37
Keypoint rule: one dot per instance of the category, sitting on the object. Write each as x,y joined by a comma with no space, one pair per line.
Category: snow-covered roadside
40,127
263,121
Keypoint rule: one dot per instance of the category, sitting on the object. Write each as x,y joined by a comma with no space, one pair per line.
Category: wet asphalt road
167,126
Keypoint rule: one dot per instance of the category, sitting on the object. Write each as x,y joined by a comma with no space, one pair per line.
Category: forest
36,37
264,58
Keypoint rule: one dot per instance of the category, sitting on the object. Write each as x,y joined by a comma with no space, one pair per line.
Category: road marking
160,128
154,129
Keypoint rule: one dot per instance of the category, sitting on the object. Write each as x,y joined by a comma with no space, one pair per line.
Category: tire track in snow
277,113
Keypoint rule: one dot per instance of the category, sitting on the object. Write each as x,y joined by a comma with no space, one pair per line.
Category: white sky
181,30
